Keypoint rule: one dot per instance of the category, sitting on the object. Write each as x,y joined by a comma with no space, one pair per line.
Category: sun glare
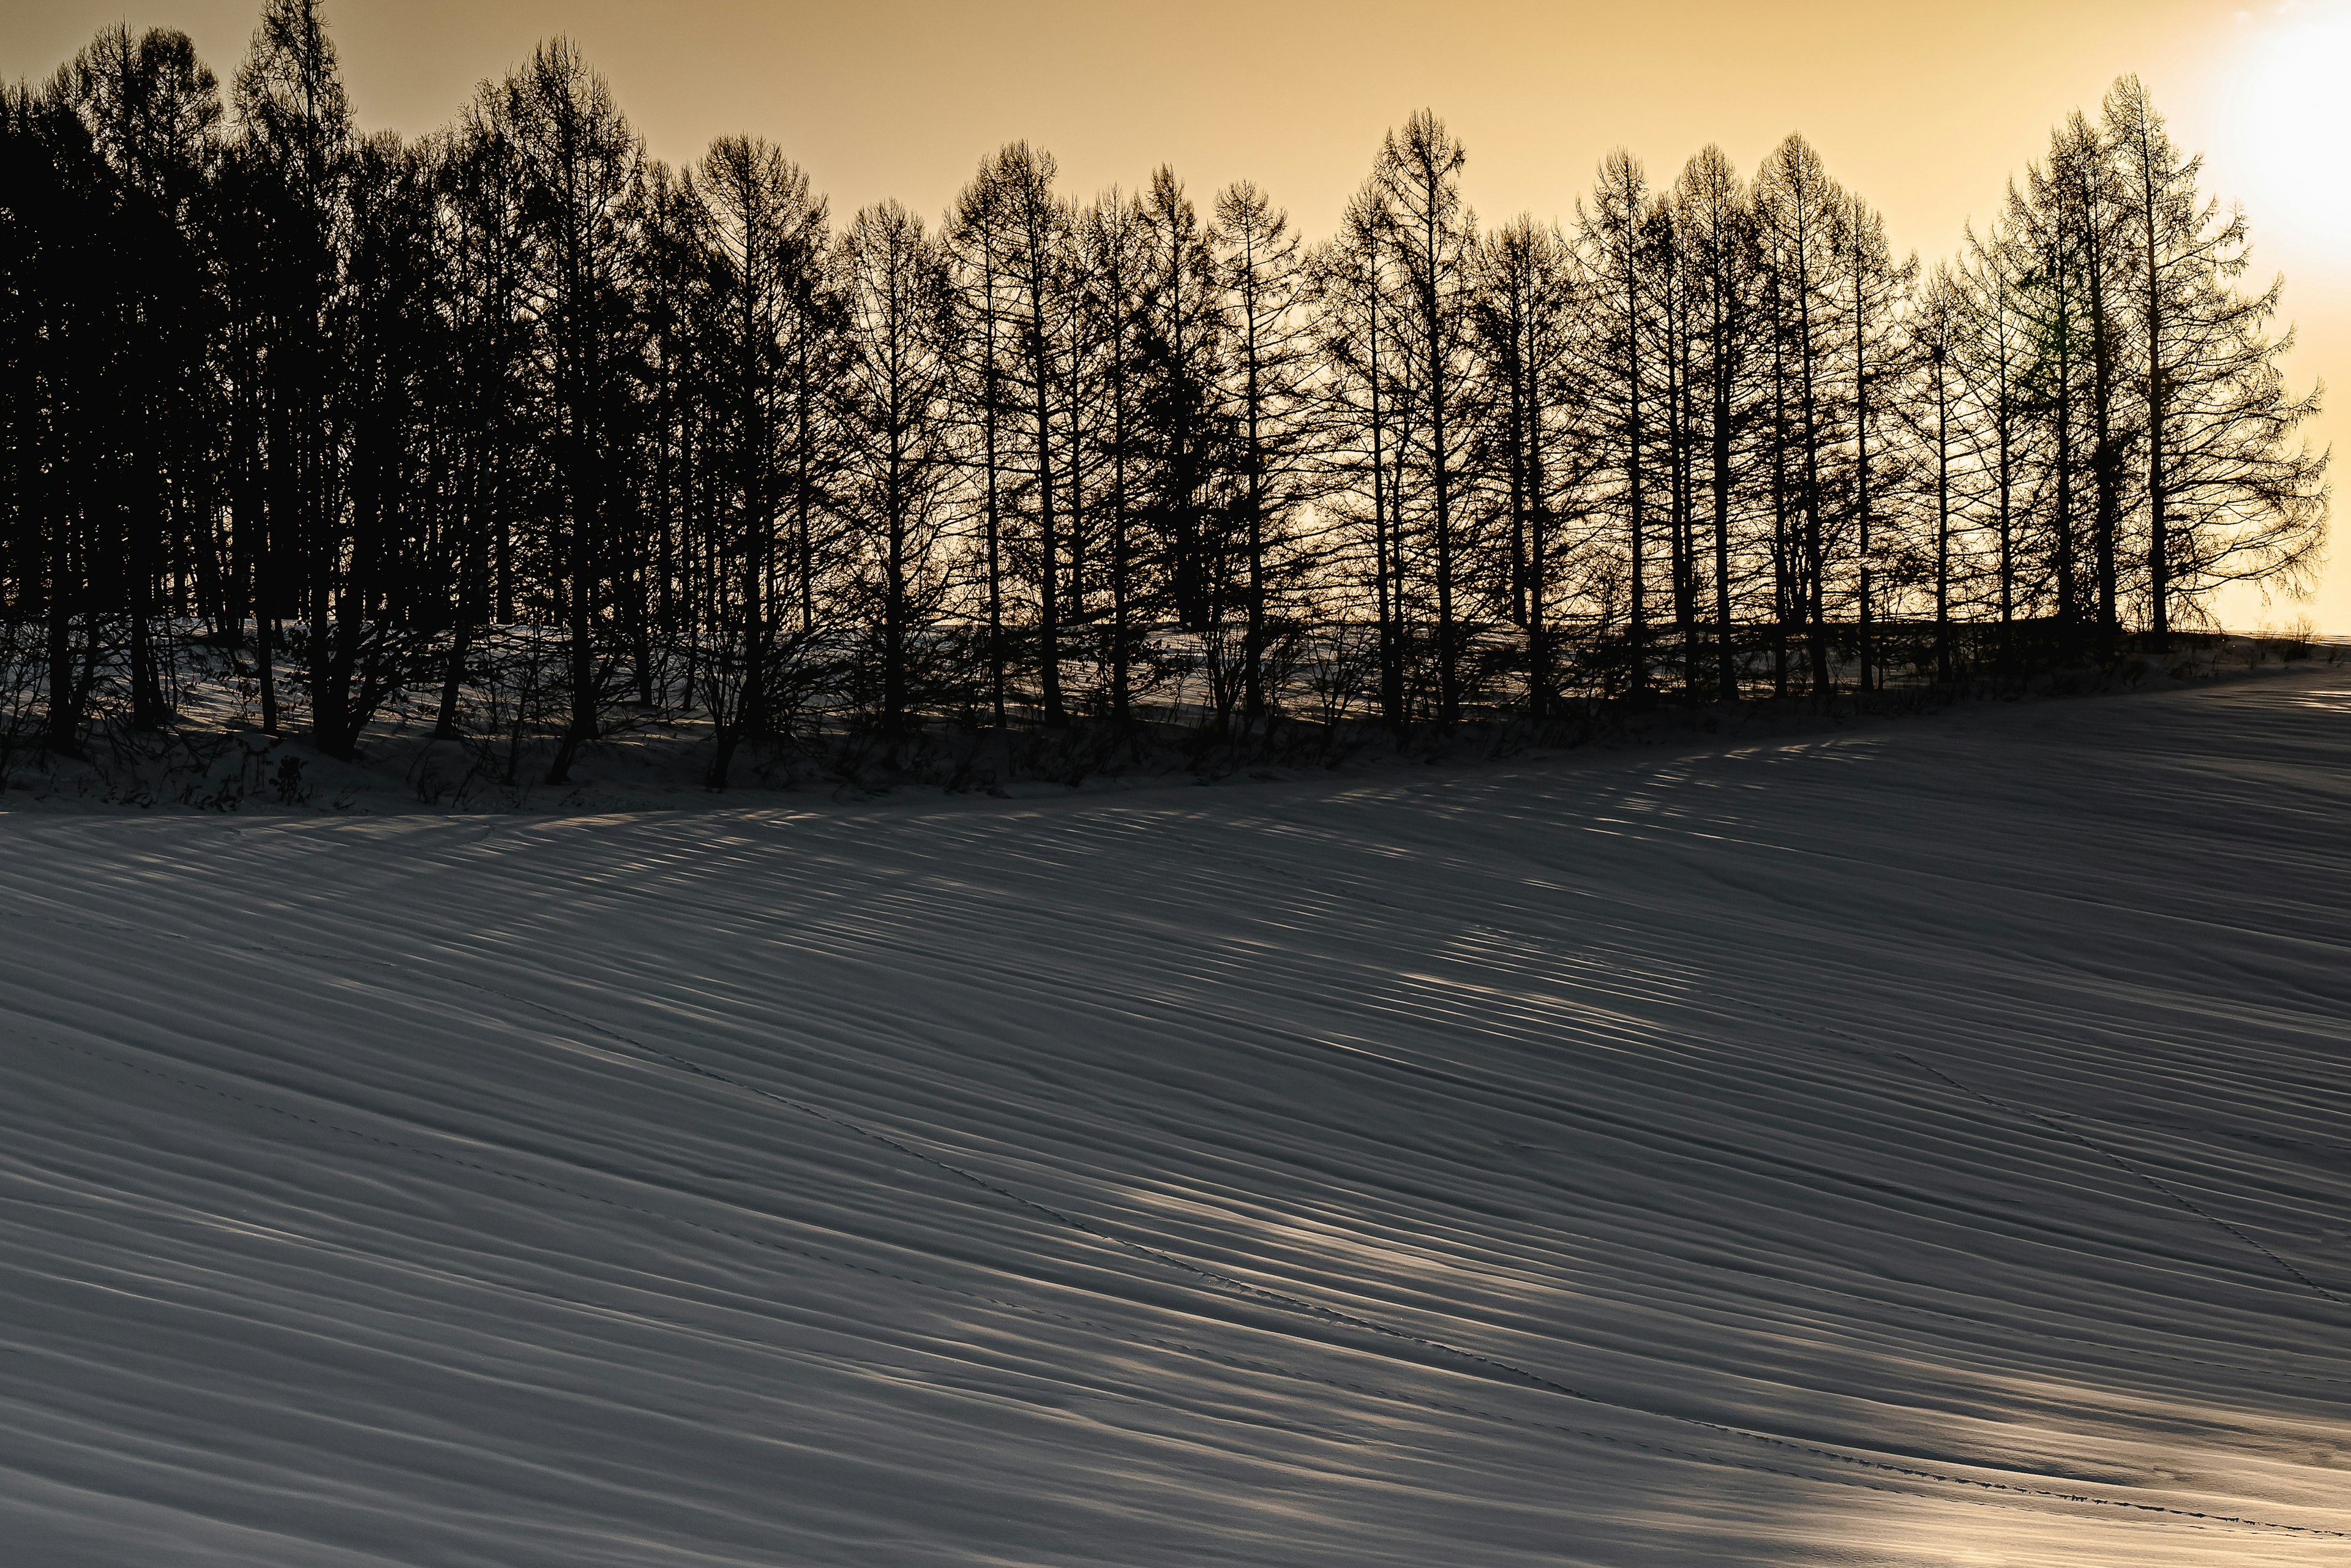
2292,118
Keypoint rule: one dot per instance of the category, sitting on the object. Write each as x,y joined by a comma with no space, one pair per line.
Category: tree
2230,496
1036,227
1991,353
577,165
297,130
514,410
975,247
2047,225
1718,235
771,318
1432,236
896,397
1528,312
65,320
2083,176
1796,204
485,255
372,612
1876,285
1360,383
1615,239
1935,326
1264,282
1117,242
153,112
1182,345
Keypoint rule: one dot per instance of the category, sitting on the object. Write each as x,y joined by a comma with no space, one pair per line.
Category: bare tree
296,131
2231,496
1432,239
1264,281
1355,309
1528,313
578,166
897,396
1797,204
1614,238
771,312
1878,285
1117,243
1718,237
1991,353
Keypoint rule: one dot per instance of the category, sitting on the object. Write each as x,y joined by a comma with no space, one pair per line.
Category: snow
1921,1143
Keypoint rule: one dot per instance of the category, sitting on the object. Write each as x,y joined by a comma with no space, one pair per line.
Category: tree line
520,419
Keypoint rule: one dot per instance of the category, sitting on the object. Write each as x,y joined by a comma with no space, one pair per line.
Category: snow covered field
1930,1143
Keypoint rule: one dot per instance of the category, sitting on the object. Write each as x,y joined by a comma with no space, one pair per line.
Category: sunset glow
2292,119
1929,118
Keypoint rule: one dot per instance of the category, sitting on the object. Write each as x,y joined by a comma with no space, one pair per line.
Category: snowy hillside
1930,1144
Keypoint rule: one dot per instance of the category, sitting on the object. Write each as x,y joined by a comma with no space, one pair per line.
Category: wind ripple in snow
1922,1146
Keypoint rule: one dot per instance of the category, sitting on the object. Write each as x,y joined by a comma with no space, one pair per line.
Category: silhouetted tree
1527,314
1264,281
577,165
897,398
1798,204
2231,494
771,354
1432,236
591,445
1615,238
1717,233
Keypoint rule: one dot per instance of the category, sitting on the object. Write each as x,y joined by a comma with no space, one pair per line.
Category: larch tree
1263,277
2084,174
1432,236
2046,223
1528,313
1935,326
1797,204
769,237
591,445
897,396
485,253
1118,247
1354,311
1994,355
154,111
577,165
1616,239
1037,225
294,124
1182,341
2232,492
978,249
1718,239
374,618
1876,284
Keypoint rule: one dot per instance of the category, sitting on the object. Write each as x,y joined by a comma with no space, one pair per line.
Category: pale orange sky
1926,109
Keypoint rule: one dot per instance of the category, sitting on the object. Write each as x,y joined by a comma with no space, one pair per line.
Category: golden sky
1926,109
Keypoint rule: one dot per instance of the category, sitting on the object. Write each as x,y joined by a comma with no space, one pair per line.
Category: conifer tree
1264,281
896,395
2232,494
1432,235
1528,308
577,168
1717,221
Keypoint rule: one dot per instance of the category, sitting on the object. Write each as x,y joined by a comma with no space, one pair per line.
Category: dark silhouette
518,422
